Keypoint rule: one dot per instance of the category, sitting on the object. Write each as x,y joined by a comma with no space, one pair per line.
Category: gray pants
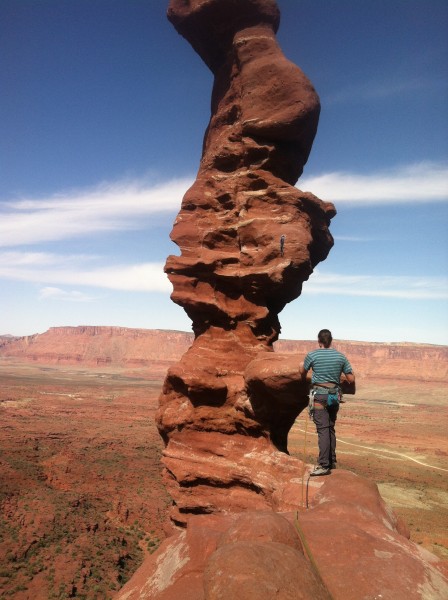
325,420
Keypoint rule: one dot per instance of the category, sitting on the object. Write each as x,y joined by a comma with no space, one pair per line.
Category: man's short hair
325,338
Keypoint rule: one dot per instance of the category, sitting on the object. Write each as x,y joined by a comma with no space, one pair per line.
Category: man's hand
350,377
348,384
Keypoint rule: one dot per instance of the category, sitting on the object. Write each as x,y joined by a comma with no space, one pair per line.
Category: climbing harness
311,403
325,395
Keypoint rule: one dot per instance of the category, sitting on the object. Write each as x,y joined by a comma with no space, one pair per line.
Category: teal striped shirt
327,365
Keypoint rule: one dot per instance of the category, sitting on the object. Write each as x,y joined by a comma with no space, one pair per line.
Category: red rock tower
248,240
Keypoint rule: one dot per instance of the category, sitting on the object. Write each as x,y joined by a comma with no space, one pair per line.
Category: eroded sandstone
248,241
347,546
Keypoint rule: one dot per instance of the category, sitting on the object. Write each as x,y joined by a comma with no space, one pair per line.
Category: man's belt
322,389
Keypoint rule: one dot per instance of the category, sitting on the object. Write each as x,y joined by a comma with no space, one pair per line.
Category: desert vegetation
81,500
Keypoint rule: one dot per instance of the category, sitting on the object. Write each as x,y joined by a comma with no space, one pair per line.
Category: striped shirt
327,365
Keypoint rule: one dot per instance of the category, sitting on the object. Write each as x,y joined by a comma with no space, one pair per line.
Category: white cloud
377,90
354,238
145,277
73,270
108,207
422,182
53,293
128,205
14,259
149,277
379,286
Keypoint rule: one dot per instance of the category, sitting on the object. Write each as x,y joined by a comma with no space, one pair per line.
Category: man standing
327,365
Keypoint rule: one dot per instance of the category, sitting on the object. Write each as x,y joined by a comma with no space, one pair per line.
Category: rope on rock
310,556
304,461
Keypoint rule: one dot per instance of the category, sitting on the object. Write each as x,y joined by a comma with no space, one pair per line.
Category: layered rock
248,241
92,346
154,351
347,546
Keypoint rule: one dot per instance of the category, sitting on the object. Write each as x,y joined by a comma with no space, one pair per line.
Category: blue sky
103,108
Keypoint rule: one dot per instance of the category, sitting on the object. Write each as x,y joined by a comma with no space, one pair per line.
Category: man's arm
303,372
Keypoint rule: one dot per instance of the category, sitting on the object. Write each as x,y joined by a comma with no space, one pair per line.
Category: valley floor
81,495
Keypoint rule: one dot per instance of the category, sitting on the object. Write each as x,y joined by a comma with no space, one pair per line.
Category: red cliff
157,349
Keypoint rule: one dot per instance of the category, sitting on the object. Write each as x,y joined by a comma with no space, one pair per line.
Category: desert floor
81,495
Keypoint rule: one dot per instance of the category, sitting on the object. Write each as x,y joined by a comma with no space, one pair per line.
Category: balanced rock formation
248,241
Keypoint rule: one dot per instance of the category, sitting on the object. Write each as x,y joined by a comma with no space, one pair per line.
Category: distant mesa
91,346
157,349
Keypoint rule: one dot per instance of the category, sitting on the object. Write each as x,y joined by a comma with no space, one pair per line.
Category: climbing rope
304,461
310,556
305,545
307,486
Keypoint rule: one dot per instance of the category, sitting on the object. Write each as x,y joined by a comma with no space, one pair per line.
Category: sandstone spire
248,240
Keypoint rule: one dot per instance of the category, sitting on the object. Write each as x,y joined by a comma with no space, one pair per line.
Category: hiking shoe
333,466
320,471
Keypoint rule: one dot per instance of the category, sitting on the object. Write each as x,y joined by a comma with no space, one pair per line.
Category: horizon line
12,337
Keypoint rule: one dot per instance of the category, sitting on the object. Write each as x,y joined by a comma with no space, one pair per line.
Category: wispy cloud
378,90
46,268
354,238
108,207
76,270
377,286
418,183
127,206
18,259
53,293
